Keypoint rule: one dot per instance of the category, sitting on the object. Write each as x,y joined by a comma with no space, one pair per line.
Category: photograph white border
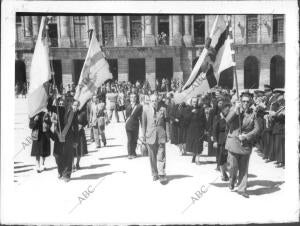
288,8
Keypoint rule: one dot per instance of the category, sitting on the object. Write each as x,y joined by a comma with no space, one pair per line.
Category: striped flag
214,68
40,74
94,73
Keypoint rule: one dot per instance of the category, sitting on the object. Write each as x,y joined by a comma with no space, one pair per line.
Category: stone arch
277,73
251,73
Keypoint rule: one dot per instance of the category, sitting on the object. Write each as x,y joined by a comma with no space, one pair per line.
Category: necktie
154,115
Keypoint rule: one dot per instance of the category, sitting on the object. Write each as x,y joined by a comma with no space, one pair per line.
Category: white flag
94,73
40,74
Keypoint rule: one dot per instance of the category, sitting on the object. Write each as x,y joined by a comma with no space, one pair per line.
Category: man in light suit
97,121
154,135
240,141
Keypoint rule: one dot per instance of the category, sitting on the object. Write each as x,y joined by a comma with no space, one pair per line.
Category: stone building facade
153,47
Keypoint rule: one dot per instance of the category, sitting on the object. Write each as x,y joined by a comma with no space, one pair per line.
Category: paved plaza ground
110,188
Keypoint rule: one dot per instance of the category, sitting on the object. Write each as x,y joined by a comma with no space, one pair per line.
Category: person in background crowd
81,149
168,103
195,118
97,121
133,118
88,115
217,102
219,135
121,102
40,125
111,103
154,135
239,142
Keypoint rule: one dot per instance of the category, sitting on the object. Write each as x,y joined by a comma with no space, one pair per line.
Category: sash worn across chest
62,136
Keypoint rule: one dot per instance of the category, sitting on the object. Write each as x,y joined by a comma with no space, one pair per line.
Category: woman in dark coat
278,138
174,122
195,118
180,113
219,136
81,149
40,125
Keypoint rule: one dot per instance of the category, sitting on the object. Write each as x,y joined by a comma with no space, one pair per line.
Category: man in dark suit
240,141
154,135
133,118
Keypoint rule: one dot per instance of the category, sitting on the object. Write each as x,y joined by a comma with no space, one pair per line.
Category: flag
213,62
94,73
40,74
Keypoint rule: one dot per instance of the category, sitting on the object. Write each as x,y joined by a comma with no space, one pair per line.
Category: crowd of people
21,89
230,126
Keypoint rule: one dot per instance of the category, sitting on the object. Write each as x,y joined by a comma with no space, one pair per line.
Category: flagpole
52,73
236,81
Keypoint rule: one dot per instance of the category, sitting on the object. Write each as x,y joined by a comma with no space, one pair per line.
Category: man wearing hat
243,129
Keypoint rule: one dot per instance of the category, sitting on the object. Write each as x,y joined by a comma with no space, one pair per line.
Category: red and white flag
95,72
40,74
204,77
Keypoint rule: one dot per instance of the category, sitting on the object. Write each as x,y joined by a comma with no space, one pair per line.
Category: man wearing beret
240,141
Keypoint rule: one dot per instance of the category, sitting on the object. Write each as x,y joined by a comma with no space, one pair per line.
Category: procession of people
231,127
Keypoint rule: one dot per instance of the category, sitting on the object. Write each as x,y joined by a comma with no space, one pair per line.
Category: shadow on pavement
51,168
93,151
17,167
93,166
94,176
267,187
175,177
113,145
22,171
207,162
114,157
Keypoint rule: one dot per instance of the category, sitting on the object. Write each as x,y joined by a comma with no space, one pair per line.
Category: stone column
150,71
176,26
187,38
35,26
149,39
28,27
121,31
65,38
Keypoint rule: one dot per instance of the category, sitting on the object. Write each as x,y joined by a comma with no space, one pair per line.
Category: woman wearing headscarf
195,118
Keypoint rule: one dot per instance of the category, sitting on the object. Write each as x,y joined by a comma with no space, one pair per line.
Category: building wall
181,45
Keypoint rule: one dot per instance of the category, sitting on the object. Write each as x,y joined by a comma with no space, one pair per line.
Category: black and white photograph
151,112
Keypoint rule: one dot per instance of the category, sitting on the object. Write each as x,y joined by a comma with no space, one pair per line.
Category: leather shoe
155,178
231,187
268,160
244,194
163,180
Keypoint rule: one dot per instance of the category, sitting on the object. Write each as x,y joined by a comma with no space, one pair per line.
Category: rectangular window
252,28
52,24
18,19
278,28
136,30
80,30
163,30
108,30
19,30
199,29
